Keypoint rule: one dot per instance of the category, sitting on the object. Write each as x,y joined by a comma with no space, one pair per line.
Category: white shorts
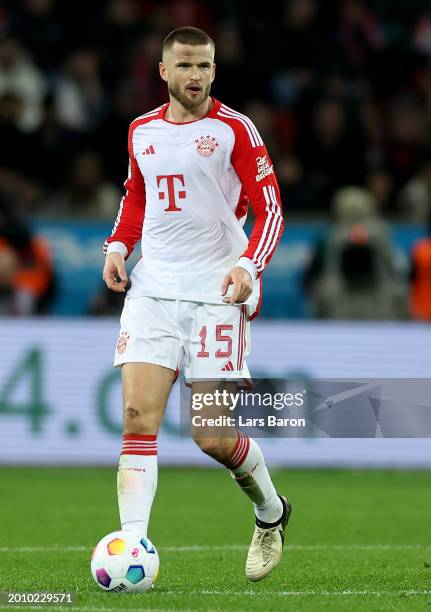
206,341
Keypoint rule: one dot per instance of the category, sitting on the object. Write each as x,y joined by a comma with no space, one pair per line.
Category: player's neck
178,114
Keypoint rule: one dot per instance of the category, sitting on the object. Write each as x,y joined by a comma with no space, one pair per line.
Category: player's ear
162,71
213,74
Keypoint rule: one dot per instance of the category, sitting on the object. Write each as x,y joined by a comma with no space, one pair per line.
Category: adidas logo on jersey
149,151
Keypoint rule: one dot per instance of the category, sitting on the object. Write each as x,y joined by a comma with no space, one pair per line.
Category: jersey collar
211,113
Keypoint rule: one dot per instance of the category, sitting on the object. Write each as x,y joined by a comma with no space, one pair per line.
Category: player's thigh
149,333
146,389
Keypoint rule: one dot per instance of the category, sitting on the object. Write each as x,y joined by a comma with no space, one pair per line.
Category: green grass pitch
357,540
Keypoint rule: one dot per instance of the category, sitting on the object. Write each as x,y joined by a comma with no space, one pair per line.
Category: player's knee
139,420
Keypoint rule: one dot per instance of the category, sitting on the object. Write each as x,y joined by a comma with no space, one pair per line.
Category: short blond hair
187,35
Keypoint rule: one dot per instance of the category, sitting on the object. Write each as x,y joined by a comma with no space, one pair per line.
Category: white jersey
188,191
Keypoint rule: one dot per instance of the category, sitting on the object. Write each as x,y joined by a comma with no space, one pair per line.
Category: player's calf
211,428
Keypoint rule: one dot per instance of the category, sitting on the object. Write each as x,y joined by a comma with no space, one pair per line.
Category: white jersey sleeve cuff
247,264
117,247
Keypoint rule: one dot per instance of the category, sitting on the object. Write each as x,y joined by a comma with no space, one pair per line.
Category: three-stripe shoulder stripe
271,228
252,132
155,111
150,115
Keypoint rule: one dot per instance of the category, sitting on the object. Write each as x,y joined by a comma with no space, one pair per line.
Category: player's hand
242,285
114,272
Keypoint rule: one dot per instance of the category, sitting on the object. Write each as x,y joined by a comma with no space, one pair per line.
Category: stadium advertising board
60,398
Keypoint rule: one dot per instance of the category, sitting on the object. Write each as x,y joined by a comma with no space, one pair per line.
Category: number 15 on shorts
221,337
223,343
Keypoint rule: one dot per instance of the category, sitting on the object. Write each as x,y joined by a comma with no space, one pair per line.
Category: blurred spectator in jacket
52,148
295,190
114,128
352,274
11,156
415,197
79,94
420,288
118,29
381,188
26,269
38,25
299,44
332,151
148,86
264,118
360,35
233,73
17,159
106,303
409,127
88,194
19,76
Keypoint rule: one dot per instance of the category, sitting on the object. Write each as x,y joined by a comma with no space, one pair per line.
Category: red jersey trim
262,192
141,120
242,206
210,114
130,217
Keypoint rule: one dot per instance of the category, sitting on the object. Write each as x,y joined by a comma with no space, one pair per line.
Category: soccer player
194,165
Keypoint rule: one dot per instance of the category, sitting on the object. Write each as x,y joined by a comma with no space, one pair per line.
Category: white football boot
266,547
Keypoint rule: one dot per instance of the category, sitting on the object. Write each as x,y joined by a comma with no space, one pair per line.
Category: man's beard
189,103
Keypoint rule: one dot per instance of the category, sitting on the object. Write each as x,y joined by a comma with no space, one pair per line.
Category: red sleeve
254,168
130,218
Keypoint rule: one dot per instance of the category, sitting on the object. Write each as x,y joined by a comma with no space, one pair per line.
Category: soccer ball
125,561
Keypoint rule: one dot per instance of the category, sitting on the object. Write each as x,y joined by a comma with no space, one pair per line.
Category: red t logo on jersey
170,184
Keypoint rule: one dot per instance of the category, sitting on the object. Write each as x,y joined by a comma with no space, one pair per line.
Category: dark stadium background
340,91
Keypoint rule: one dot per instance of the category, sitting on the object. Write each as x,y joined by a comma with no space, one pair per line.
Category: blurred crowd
339,89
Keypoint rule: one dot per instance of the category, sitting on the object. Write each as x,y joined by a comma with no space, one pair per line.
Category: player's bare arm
242,286
113,270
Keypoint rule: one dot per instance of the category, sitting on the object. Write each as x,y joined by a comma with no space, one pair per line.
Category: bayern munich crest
206,145
122,342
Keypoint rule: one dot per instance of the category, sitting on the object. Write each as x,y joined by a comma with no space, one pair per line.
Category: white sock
137,481
248,468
